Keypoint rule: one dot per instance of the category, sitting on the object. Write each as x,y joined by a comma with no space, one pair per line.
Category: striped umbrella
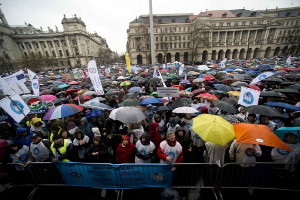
61,111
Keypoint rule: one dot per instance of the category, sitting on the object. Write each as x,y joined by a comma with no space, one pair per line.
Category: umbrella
48,97
125,83
295,87
232,118
263,110
213,128
183,93
60,101
121,78
150,100
90,93
233,100
82,97
272,79
185,82
185,109
254,87
130,115
234,93
226,106
178,86
130,96
153,93
129,102
94,113
134,89
181,102
61,111
63,86
198,80
198,91
162,108
283,105
48,91
287,90
112,114
100,106
239,84
73,82
209,77
272,94
72,90
280,132
223,87
207,96
154,80
257,134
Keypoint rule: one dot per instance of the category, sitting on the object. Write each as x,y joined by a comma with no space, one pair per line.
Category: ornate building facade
215,35
27,46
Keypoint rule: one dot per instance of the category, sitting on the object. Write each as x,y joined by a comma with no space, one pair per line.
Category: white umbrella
130,115
203,67
112,114
185,109
121,78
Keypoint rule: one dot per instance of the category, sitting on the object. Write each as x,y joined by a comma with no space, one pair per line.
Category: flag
6,89
154,72
94,76
222,63
185,78
248,97
261,77
15,107
35,87
127,60
181,68
289,60
161,78
31,74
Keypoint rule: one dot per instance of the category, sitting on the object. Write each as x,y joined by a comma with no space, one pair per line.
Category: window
25,54
179,45
40,54
243,23
224,15
64,42
183,45
239,14
159,21
175,45
60,53
67,52
51,44
76,51
156,39
37,45
220,23
30,47
62,62
183,38
74,42
53,54
166,38
236,23
57,43
179,38
47,54
22,46
173,20
228,24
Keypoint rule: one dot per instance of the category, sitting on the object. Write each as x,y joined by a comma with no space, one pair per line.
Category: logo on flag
248,97
35,85
16,106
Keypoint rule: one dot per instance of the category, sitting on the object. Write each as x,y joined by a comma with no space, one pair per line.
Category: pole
153,57
17,106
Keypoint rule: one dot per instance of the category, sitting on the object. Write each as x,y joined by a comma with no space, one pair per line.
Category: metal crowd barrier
186,175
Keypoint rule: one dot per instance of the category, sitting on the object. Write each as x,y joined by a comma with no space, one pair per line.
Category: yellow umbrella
125,83
234,93
213,128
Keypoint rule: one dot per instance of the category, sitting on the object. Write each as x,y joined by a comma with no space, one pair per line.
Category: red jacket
125,154
154,134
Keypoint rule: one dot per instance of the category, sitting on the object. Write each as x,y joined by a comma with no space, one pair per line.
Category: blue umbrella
264,67
94,113
63,86
283,105
280,132
150,101
134,89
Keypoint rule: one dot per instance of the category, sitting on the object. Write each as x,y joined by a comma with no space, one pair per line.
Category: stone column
254,39
266,35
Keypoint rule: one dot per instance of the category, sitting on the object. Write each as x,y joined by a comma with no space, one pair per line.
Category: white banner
289,60
168,92
78,73
15,107
94,76
181,68
6,89
35,87
248,97
16,77
31,74
262,77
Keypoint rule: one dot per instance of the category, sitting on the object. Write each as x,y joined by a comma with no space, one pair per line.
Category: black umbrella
263,110
295,87
287,90
154,80
231,100
181,102
60,101
272,94
129,102
272,79
215,92
226,106
130,96
223,87
162,108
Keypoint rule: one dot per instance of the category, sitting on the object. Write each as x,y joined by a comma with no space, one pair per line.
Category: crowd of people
163,136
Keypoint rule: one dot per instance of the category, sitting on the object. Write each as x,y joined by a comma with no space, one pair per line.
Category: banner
262,77
6,89
181,68
15,107
94,76
127,60
222,63
31,74
161,78
248,97
36,104
78,73
35,87
116,176
16,82
167,92
289,60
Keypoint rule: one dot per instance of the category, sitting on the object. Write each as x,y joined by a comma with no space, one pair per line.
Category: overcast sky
110,18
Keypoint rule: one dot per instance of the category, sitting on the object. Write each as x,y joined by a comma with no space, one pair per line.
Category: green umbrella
153,93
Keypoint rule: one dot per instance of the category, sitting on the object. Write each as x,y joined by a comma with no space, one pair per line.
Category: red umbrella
73,82
207,96
82,97
72,90
198,91
209,77
178,86
254,87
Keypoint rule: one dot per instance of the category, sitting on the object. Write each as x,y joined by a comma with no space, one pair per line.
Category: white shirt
173,152
144,150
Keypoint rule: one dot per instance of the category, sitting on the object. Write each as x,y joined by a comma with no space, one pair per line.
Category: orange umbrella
207,96
257,134
178,86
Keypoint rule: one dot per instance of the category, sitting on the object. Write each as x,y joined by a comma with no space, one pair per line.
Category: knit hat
169,133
